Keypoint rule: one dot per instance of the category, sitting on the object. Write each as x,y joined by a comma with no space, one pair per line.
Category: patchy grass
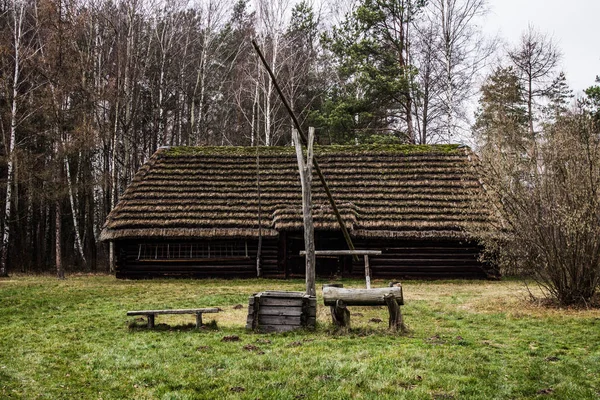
475,340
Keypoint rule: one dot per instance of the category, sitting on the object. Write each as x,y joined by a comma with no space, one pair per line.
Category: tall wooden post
305,169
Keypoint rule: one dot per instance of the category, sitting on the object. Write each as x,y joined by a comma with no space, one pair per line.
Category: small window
190,251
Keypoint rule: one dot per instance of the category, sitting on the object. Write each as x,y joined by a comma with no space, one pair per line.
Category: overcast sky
574,25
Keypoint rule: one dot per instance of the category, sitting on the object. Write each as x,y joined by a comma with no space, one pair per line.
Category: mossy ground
71,339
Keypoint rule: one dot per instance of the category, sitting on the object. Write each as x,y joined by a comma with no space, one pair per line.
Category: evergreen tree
592,101
374,72
559,95
501,119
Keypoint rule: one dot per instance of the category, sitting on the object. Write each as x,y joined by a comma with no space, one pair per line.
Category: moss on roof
404,149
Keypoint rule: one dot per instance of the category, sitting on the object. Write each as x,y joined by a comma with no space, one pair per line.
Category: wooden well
274,311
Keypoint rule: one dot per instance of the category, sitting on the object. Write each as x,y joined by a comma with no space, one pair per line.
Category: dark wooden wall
423,259
129,267
401,259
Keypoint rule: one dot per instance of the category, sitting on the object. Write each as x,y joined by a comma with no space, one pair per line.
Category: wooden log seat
338,299
151,314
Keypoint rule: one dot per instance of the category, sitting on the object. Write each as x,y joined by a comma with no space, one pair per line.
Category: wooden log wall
400,259
423,259
128,265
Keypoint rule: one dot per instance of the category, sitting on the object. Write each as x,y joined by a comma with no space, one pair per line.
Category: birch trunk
17,36
74,213
60,273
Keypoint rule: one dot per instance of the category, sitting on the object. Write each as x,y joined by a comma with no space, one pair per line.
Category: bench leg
396,321
340,314
150,321
198,320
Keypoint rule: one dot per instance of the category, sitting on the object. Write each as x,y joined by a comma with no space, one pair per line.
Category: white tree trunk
17,36
74,213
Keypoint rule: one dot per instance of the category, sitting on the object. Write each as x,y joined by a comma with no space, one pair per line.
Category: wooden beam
175,311
334,207
344,252
305,169
367,272
361,297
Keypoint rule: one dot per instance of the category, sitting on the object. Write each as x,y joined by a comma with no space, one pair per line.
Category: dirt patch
253,348
238,307
231,338
545,391
436,339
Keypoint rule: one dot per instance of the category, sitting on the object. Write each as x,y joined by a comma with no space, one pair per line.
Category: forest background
90,89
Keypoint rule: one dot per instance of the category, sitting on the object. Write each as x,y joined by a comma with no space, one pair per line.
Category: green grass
72,339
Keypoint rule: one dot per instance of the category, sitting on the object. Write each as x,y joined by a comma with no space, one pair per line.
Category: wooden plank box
274,311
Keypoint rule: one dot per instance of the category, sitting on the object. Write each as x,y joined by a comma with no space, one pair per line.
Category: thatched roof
382,191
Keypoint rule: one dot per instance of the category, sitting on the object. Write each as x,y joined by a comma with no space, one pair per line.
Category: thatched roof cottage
197,212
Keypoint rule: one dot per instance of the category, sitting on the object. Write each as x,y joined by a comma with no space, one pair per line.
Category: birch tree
21,52
454,54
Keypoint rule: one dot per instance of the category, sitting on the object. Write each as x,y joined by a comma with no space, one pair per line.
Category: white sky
574,25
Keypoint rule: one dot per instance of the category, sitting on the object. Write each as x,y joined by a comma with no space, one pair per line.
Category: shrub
547,191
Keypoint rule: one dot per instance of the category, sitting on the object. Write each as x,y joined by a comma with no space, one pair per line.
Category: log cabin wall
423,259
138,259
400,259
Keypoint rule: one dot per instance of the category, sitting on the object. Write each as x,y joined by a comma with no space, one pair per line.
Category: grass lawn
467,340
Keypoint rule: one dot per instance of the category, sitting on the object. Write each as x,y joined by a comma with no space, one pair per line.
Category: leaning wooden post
305,169
336,211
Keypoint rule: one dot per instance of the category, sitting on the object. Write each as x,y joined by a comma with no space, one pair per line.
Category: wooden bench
151,314
339,298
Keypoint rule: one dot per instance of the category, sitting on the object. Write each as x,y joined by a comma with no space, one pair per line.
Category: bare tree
535,59
21,52
451,52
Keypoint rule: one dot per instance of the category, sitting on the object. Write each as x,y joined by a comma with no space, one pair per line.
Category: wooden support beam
396,322
305,169
340,314
334,207
367,272
344,252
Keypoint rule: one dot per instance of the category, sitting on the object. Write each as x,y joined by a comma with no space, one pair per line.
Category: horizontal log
192,268
278,320
176,275
344,253
281,311
424,262
360,297
278,328
281,294
425,268
176,311
426,275
281,302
